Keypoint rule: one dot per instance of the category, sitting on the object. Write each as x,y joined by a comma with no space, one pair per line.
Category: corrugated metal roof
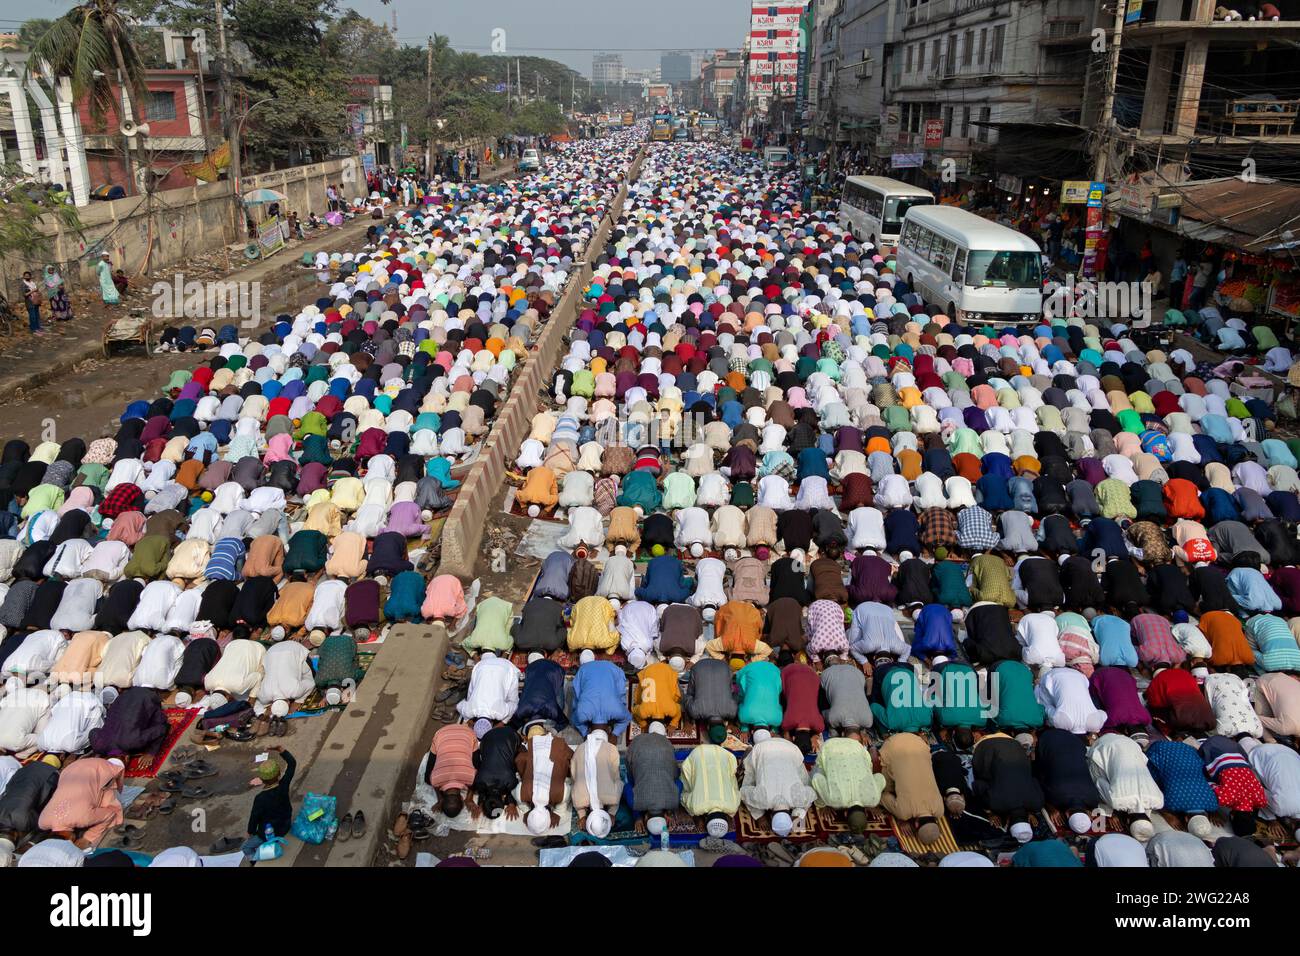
1256,212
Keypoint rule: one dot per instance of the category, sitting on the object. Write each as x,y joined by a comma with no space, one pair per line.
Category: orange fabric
738,625
1227,639
1182,500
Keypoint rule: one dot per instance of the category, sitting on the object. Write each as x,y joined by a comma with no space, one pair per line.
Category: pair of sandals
129,836
178,782
269,726
352,825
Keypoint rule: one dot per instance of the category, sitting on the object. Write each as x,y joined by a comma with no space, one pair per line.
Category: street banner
933,134
1075,191
270,236
1094,228
907,160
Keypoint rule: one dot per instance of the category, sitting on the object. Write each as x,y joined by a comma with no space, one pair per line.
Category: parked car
530,162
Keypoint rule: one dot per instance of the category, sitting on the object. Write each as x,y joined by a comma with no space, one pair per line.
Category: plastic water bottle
268,833
663,838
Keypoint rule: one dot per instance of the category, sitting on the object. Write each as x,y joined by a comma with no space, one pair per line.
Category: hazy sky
565,30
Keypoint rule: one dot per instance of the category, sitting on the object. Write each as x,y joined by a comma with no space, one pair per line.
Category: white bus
973,269
873,207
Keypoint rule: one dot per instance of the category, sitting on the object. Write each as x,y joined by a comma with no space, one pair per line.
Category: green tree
33,30
92,45
28,206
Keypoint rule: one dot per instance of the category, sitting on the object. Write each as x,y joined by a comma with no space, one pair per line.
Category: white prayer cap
762,734
657,727
183,699
1248,743
1022,831
539,819
1199,826
481,727
717,828
587,656
333,696
1080,823
636,657
598,823
214,701
677,663
656,825
107,696
937,660
782,823
280,708
1142,830
277,633
116,762
535,656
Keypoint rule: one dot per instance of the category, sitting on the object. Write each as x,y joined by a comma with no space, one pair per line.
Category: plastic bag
316,818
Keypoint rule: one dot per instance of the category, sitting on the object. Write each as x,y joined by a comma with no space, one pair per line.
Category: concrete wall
463,532
156,232
305,185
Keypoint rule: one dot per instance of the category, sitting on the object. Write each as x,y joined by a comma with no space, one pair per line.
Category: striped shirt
226,560
709,781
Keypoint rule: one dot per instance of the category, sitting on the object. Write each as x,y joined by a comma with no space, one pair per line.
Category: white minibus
973,269
872,207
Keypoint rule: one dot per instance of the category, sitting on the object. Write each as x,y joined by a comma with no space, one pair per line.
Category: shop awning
1253,216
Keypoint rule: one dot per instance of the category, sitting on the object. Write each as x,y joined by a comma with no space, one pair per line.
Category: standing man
32,299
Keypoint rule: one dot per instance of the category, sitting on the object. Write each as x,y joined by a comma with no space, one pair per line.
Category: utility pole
1106,121
228,112
428,98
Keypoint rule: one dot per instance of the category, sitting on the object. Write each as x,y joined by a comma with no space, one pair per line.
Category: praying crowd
221,556
844,582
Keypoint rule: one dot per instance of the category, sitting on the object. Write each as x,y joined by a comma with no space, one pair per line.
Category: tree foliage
25,206
91,44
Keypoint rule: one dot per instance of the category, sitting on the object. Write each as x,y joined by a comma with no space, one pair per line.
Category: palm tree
90,44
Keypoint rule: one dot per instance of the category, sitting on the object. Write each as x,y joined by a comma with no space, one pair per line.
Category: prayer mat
685,831
912,846
684,735
1061,824
568,659
760,831
148,764
831,822
513,507
315,703
681,737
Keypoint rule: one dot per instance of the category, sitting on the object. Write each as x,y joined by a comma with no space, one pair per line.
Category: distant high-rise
678,66
608,68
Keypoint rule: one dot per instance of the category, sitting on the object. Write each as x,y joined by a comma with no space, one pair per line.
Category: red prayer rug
148,764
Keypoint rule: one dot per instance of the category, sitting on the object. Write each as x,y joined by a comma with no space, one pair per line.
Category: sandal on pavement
225,845
167,806
197,772
196,793
404,845
358,825
345,829
238,734
401,825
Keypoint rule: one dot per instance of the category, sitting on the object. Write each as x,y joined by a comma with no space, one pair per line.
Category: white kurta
1119,769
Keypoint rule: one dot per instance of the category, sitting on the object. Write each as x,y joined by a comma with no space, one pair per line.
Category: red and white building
773,65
